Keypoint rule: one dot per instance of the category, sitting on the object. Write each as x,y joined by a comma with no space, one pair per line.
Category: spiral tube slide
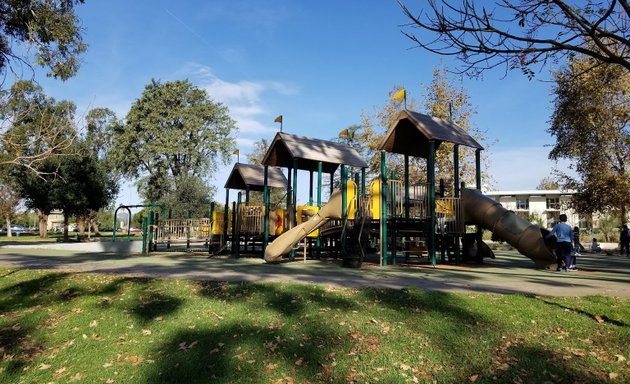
283,244
526,237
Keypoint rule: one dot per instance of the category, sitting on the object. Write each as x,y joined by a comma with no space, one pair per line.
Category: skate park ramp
283,244
526,237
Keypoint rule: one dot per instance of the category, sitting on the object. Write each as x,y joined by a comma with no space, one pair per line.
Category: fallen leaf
146,332
134,360
76,377
43,366
107,365
620,358
159,318
326,369
109,381
473,378
93,323
613,375
599,319
270,367
404,367
298,361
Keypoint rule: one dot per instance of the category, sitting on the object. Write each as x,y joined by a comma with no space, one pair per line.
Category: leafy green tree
523,34
448,101
38,127
548,183
608,227
101,126
77,186
9,199
101,123
190,197
443,100
591,127
50,27
173,129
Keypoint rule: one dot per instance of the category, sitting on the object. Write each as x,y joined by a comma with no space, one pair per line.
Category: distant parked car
18,229
135,230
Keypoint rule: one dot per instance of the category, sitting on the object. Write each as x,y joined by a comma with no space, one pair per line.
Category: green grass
58,328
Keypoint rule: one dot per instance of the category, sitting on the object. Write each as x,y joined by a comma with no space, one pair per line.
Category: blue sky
318,63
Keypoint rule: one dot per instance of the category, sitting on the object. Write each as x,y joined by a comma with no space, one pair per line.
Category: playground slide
283,244
526,237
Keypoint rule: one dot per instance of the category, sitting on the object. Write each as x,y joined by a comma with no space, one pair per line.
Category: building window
553,203
522,204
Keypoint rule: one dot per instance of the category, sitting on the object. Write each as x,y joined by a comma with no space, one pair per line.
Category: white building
540,206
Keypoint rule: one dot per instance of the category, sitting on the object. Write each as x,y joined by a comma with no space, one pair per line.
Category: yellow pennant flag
344,133
278,119
400,94
235,152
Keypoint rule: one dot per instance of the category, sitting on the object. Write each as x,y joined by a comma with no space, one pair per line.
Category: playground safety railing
252,219
172,230
449,215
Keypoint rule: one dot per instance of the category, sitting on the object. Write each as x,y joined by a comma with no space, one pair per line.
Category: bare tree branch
521,34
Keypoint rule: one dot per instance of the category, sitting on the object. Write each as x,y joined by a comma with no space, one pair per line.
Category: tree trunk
81,225
42,219
65,226
8,221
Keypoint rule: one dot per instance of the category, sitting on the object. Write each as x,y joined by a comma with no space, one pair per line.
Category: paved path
508,273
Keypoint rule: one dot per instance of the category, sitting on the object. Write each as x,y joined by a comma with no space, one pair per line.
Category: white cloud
522,168
244,98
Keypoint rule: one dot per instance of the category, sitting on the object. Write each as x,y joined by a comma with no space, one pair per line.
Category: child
595,247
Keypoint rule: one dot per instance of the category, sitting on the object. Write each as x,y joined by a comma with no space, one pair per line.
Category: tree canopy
51,27
591,126
34,127
173,129
78,186
522,34
442,98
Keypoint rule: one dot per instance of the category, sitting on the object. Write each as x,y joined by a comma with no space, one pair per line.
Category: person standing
624,240
564,242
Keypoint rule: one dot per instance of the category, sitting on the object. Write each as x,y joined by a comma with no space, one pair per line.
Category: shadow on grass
591,315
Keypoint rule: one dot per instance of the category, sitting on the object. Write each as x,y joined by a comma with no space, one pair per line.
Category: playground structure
391,218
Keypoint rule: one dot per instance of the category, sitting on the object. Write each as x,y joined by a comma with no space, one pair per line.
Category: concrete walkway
510,272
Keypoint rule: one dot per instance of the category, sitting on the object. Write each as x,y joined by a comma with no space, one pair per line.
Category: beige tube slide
526,237
282,245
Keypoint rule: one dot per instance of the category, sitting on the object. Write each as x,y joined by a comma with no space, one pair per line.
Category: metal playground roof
308,152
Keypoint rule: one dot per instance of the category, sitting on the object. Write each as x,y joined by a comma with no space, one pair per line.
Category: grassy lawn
59,328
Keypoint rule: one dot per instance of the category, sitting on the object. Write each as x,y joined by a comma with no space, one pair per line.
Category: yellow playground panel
304,213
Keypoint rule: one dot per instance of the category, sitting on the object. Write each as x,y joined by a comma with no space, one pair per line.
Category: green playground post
478,168
344,205
432,220
319,204
393,220
294,198
406,198
225,216
144,236
310,188
266,203
210,228
234,234
383,209
237,225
